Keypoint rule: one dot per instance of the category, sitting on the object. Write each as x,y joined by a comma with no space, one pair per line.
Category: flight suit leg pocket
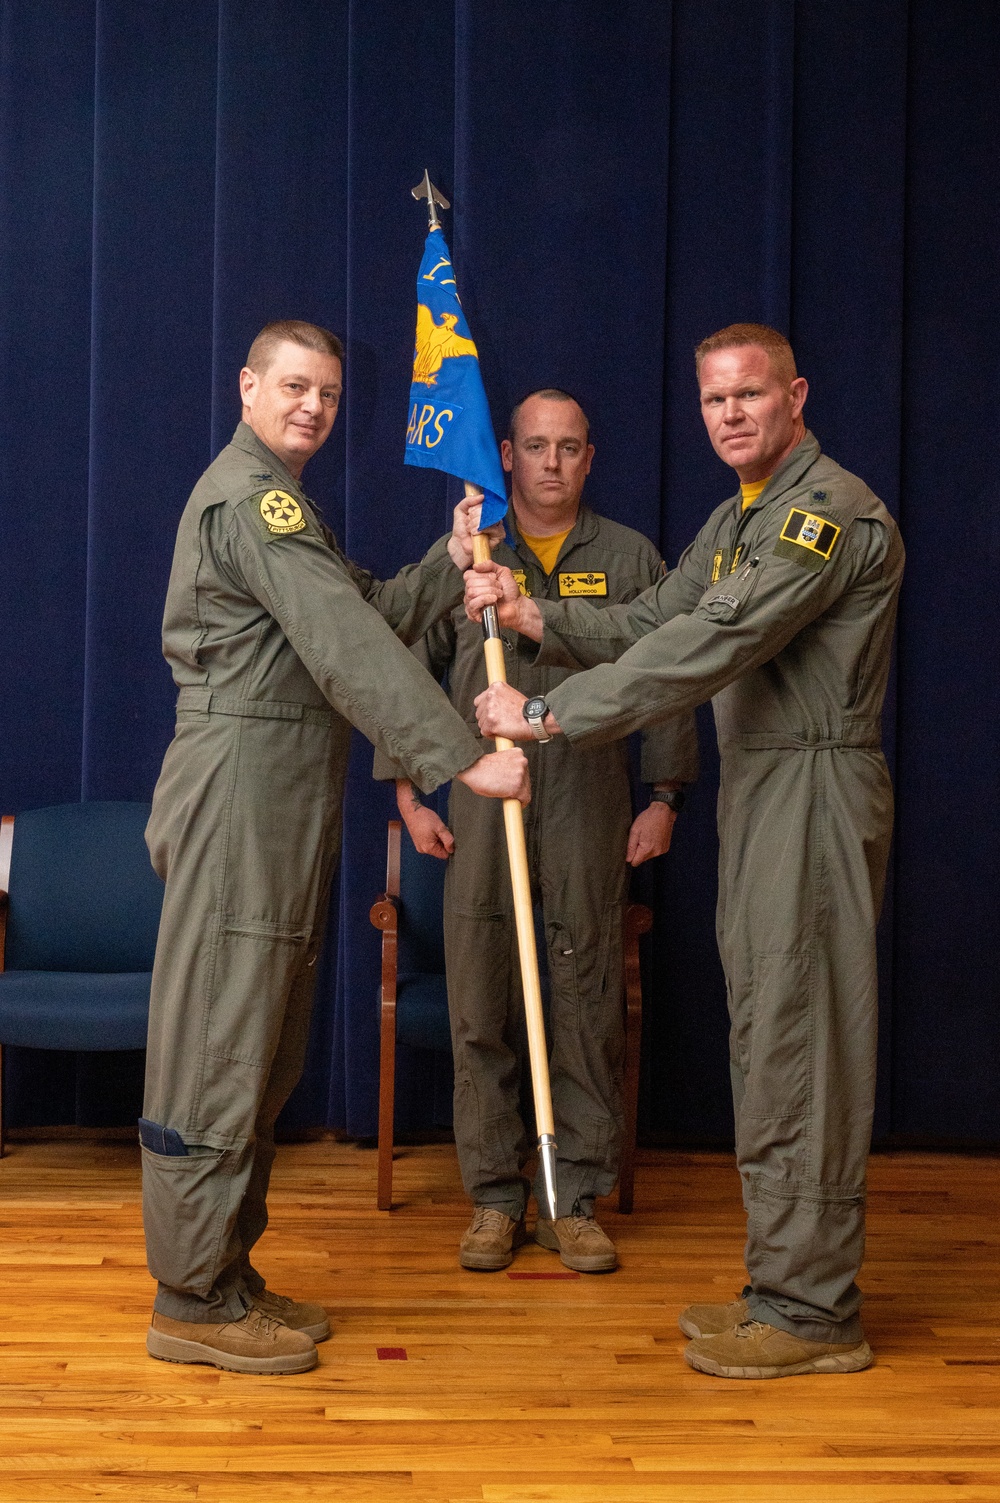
500,1147
586,978
775,1043
254,961
189,1208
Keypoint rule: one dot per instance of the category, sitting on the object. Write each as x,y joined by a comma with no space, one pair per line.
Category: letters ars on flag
450,427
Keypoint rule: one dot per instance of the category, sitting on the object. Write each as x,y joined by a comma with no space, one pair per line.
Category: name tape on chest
591,583
280,513
807,540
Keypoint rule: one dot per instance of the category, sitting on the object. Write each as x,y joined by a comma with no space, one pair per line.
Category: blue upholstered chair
79,911
413,997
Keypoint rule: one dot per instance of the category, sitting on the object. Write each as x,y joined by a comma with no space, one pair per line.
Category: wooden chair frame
6,847
385,916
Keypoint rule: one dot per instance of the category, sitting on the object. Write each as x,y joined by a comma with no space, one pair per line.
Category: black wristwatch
535,711
674,798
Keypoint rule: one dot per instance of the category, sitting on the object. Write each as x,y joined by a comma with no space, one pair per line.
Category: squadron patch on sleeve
280,512
591,583
807,540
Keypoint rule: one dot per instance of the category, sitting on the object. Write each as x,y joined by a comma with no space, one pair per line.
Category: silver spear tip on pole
547,1154
426,189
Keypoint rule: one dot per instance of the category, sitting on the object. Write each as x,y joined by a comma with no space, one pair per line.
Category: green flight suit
576,830
783,615
278,644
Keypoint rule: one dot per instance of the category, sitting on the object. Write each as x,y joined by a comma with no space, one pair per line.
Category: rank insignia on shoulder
522,581
806,539
583,584
280,512
819,495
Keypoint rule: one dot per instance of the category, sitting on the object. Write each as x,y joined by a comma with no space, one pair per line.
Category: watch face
535,709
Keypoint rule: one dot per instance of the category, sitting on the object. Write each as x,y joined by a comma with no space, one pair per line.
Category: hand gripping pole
517,856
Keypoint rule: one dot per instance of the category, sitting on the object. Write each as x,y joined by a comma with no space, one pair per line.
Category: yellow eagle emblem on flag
435,344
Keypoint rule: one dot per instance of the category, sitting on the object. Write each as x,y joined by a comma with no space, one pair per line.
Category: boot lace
486,1216
747,1329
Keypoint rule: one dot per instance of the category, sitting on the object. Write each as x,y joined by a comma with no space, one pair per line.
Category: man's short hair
734,336
551,394
292,331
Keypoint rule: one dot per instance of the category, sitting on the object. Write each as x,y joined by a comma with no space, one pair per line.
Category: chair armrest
384,915
384,912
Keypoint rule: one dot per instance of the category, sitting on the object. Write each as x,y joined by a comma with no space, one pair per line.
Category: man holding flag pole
450,429
579,836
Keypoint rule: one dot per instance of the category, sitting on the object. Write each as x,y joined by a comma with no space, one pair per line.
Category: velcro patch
741,548
716,566
730,600
280,512
522,581
583,584
807,539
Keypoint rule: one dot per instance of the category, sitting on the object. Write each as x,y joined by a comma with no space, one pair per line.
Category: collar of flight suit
246,439
788,474
584,530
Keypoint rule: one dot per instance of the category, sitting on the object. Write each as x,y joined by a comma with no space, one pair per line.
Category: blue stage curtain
625,179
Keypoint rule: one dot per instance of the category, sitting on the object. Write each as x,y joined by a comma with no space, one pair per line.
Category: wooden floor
444,1385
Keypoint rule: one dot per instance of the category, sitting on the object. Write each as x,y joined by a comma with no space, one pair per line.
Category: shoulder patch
591,583
280,512
807,540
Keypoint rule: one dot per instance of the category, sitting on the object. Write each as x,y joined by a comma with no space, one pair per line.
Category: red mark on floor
543,1275
391,1353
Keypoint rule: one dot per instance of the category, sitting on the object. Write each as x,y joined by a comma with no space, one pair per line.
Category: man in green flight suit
782,612
278,644
580,834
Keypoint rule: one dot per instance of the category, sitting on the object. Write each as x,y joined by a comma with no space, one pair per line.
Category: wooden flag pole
517,856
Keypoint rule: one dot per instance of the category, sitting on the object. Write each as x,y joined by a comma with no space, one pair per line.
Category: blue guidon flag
450,427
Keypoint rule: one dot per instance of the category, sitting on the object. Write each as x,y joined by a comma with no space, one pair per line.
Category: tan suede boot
756,1350
712,1320
580,1243
489,1240
255,1344
297,1315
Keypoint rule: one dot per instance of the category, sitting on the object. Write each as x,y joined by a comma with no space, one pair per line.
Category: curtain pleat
625,180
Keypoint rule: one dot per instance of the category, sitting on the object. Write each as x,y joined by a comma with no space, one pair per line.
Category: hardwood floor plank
512,1391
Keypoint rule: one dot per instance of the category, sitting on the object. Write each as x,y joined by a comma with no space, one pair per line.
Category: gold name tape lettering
583,584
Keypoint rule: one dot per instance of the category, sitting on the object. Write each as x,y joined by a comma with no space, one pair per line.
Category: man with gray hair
781,611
